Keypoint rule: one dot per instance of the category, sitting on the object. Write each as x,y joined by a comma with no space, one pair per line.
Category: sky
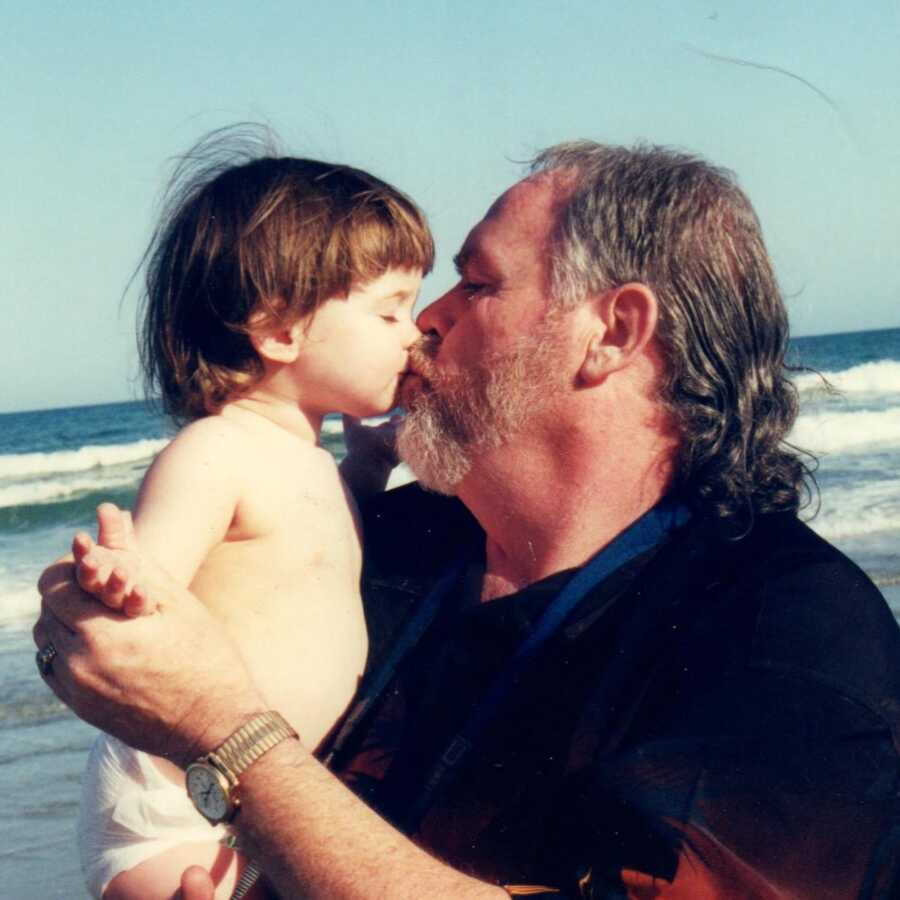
445,100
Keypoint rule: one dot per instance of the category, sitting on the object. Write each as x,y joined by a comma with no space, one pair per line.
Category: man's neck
546,509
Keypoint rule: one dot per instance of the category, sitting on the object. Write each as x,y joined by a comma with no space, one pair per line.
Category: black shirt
716,719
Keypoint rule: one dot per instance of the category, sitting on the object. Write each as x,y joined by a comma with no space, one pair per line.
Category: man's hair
683,227
251,238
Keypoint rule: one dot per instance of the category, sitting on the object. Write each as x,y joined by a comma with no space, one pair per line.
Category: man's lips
411,383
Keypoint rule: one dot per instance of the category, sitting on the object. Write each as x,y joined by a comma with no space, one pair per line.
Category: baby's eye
390,318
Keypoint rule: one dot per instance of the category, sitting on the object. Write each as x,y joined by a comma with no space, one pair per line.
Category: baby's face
354,350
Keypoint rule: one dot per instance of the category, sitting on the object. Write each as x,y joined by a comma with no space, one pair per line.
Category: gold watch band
250,742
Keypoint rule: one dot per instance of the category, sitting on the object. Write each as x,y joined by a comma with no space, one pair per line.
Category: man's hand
171,683
196,884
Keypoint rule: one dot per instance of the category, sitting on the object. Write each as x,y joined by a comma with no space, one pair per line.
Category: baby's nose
411,334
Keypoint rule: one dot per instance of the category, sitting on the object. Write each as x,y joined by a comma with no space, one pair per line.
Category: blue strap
641,536
373,686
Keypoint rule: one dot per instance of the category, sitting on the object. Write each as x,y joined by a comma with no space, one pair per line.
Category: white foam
82,460
53,491
857,510
336,426
847,432
19,607
882,377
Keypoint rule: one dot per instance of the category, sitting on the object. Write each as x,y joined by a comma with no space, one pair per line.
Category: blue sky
441,99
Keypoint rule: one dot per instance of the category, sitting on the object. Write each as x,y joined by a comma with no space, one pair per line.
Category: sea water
56,465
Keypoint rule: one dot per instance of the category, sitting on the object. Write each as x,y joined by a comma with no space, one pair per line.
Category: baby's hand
109,568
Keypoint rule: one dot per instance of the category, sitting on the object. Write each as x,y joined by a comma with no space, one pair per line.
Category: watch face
205,788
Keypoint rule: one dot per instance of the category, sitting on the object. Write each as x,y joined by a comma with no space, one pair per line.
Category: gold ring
44,658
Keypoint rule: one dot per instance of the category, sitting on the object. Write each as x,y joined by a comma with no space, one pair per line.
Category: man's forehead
535,196
525,212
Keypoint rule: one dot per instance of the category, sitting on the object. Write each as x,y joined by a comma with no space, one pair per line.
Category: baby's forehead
396,283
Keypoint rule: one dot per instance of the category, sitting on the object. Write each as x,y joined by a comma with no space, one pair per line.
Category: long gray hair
683,227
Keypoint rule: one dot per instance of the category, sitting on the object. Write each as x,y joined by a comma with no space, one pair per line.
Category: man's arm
173,684
317,839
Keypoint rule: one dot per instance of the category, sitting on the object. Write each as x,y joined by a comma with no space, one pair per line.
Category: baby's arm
184,508
188,497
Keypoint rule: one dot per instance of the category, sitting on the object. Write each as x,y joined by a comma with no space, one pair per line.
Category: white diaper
131,812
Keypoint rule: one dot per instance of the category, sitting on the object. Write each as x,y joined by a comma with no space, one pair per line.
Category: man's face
489,364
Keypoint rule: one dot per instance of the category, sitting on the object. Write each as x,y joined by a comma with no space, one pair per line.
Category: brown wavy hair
247,234
684,228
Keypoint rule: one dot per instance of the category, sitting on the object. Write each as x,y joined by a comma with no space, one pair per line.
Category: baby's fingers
116,588
82,544
92,574
138,603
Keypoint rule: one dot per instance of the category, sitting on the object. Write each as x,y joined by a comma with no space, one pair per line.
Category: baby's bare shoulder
265,449
212,438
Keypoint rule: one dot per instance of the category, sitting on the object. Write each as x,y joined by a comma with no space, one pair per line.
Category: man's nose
438,317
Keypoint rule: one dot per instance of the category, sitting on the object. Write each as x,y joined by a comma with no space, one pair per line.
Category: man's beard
455,416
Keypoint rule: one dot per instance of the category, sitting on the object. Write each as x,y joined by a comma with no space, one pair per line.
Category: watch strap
246,745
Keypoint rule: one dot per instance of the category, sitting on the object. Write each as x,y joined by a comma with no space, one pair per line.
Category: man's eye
472,288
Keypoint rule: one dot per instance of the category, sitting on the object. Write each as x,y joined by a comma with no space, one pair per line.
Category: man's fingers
59,573
63,599
196,884
114,528
49,631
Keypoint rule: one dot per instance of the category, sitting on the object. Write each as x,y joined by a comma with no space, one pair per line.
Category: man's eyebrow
472,256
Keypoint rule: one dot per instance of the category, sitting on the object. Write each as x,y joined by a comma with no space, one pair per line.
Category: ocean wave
25,465
882,377
19,606
859,510
75,511
336,426
53,491
847,432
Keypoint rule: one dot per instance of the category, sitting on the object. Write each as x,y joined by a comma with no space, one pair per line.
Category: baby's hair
247,235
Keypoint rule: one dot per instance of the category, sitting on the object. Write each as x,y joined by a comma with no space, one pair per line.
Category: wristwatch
212,780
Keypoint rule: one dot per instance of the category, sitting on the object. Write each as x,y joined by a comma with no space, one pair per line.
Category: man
615,664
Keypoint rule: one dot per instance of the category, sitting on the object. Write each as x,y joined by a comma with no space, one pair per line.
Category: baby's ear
277,342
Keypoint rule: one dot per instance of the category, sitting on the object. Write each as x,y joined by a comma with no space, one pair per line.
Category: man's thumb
196,884
114,528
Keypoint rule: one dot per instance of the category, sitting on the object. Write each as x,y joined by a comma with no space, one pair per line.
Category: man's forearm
314,838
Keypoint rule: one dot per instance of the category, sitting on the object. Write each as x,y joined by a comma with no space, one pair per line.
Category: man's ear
623,323
278,343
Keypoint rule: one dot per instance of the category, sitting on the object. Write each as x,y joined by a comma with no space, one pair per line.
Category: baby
277,290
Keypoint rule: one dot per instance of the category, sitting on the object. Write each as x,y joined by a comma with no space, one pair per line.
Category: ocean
57,465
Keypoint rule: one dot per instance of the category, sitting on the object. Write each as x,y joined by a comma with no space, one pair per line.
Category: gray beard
455,417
